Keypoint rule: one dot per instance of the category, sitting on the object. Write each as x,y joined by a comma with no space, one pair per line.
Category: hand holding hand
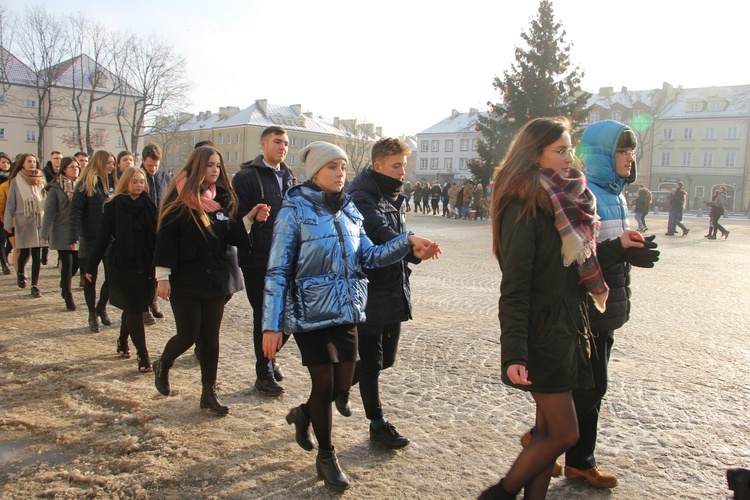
260,212
89,277
518,374
631,239
645,256
272,342
423,248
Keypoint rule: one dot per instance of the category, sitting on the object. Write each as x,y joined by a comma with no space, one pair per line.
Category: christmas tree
541,82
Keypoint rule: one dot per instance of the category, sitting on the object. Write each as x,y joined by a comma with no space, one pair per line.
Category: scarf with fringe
578,224
30,191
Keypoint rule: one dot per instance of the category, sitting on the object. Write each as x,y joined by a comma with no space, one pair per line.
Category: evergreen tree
541,82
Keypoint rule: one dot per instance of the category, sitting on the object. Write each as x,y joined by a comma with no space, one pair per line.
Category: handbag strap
260,184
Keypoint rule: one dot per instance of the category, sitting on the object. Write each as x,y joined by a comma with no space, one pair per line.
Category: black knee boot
210,400
329,470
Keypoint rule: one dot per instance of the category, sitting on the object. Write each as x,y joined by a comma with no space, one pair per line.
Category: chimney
262,105
297,108
222,112
207,114
454,113
472,111
624,90
232,110
336,122
605,91
379,131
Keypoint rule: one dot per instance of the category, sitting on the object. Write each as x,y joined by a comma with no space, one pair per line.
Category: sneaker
557,469
685,231
388,436
593,476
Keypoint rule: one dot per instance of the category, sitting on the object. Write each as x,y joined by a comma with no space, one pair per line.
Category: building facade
444,149
236,134
697,136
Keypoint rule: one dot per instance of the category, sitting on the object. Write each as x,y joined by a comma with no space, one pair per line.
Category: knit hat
627,139
318,154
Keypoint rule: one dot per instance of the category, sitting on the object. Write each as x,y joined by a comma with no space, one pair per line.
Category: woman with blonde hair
129,222
544,223
93,189
24,211
196,223
56,224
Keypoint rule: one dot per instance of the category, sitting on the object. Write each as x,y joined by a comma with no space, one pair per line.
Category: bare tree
357,142
167,128
152,74
6,33
41,40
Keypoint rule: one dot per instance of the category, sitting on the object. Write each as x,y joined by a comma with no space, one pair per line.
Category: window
462,163
434,164
435,146
708,159
304,143
693,106
617,115
700,191
709,133
474,144
31,136
424,146
423,162
2,134
237,138
464,144
292,142
687,158
733,132
236,156
715,106
292,159
120,142
666,133
229,138
228,157
221,139
29,103
594,117
666,158
449,145
448,164
688,133
100,109
730,159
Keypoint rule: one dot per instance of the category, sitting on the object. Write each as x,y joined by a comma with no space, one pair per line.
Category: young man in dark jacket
376,192
263,180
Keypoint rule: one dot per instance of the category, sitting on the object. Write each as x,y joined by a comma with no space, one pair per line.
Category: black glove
643,257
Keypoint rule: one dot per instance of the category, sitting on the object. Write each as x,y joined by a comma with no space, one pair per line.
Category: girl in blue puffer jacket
315,289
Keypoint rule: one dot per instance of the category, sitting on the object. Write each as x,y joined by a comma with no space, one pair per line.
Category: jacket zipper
337,224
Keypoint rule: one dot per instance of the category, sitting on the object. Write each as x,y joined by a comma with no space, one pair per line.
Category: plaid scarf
577,222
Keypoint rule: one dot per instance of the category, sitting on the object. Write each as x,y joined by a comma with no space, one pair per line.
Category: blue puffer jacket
599,144
315,276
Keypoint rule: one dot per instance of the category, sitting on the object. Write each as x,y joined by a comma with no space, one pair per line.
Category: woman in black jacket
196,223
544,220
92,190
129,223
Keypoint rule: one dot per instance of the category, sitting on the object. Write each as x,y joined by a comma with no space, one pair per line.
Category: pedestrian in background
56,224
718,205
319,250
418,197
6,248
676,207
642,206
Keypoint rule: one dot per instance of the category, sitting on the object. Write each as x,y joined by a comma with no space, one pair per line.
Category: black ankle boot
93,322
302,427
210,400
161,377
21,280
329,470
342,404
496,492
101,311
69,303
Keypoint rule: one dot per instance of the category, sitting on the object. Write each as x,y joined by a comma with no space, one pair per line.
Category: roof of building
456,123
82,72
263,114
14,71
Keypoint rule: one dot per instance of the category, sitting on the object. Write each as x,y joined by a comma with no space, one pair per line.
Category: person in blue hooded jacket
609,153
316,289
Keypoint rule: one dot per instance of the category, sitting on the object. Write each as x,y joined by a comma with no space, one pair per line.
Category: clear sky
404,65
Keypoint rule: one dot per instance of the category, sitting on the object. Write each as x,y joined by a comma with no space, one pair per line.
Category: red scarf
206,199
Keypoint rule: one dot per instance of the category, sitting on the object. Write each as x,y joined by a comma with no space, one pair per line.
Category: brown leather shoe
148,319
557,469
593,476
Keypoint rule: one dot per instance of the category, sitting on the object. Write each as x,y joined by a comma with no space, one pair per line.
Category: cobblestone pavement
676,416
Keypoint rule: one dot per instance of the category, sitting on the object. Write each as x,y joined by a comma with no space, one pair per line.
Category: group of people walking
467,201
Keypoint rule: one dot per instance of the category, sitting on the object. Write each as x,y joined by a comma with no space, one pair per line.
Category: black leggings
5,246
89,287
378,345
68,267
132,326
196,319
36,263
328,382
716,226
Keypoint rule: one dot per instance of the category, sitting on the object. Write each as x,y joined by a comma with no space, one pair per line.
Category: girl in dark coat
418,197
5,246
92,190
129,223
56,224
544,220
196,223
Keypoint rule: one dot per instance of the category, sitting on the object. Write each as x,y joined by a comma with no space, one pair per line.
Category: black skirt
333,344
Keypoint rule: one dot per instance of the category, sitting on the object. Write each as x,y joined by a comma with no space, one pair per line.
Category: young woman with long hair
93,189
24,210
196,223
543,226
5,245
319,249
56,224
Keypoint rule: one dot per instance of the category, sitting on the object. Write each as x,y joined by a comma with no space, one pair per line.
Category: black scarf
333,201
389,187
4,175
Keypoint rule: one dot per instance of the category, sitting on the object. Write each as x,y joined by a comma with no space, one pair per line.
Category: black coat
198,260
388,290
86,213
245,184
130,225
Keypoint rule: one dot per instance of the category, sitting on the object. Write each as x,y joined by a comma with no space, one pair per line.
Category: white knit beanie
318,154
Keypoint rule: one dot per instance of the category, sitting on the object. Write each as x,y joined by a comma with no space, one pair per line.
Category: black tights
5,247
36,263
89,287
132,325
68,267
556,431
328,382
